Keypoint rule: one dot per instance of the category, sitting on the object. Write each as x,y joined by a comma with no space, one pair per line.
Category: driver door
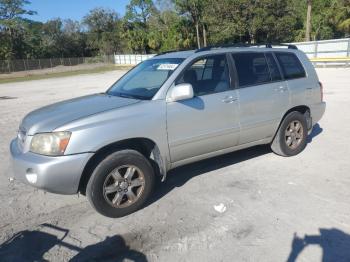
208,122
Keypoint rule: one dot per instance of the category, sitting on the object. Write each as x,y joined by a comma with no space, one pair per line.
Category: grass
62,74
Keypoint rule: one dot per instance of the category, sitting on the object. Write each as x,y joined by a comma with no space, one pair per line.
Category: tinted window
291,66
274,71
251,68
207,75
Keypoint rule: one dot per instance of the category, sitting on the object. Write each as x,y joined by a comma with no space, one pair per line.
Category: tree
169,31
231,21
104,31
195,8
161,25
308,20
13,9
136,24
343,17
11,26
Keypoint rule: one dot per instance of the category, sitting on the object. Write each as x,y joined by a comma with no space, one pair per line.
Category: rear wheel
120,184
291,136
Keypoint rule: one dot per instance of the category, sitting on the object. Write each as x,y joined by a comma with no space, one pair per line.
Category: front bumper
59,175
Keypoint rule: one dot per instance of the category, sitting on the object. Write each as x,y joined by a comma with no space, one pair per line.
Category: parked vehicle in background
171,110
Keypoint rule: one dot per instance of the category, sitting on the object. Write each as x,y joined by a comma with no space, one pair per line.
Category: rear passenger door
299,85
263,95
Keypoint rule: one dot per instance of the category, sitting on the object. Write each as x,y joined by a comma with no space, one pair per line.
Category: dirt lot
276,208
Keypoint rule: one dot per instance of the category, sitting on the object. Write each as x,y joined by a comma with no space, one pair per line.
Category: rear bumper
59,175
317,112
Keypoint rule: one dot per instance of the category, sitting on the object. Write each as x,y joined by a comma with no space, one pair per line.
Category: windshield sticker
167,67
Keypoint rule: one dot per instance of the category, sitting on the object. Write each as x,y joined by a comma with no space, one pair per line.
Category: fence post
348,53
40,64
316,49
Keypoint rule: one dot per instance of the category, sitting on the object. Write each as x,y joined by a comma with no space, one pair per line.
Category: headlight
50,144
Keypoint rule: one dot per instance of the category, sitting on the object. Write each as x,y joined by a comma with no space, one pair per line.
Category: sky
73,9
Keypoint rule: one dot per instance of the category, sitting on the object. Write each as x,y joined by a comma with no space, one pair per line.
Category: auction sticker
167,67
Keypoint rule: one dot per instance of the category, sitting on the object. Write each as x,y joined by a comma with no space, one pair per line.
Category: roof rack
267,45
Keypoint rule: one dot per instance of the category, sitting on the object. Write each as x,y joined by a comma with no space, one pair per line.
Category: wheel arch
145,146
303,109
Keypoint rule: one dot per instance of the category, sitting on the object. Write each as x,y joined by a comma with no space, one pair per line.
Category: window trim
196,59
278,67
282,71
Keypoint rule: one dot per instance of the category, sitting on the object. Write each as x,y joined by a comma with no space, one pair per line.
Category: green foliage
103,31
12,29
137,26
160,25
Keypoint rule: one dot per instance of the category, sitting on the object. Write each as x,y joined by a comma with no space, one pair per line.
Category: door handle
229,99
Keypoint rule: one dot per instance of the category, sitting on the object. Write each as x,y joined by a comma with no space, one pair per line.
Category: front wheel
291,136
120,184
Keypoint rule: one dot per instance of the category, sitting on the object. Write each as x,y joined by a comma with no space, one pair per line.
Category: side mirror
180,92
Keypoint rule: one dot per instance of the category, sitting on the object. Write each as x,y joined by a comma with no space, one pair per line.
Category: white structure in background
337,48
130,59
334,52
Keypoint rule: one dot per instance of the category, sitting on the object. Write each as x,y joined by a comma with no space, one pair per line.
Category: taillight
321,89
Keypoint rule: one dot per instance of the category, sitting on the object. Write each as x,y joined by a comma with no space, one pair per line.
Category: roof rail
267,45
289,46
171,51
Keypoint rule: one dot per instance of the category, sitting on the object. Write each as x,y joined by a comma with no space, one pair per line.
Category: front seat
190,77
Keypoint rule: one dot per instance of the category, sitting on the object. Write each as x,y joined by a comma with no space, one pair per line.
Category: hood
48,118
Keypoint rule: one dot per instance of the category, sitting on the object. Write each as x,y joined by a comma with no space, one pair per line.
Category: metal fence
335,52
9,66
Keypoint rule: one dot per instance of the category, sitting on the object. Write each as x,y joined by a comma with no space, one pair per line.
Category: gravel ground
276,208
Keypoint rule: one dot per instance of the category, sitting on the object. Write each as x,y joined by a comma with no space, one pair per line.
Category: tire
293,142
120,184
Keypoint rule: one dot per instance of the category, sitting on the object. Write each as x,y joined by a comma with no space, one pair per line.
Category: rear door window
252,68
291,66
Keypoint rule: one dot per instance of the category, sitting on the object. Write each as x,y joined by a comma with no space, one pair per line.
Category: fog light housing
31,176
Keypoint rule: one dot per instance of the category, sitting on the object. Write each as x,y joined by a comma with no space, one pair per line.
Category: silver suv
171,110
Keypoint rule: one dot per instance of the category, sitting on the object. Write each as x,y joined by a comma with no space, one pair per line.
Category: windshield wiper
138,97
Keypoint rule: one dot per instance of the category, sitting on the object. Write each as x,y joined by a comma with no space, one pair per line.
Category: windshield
144,81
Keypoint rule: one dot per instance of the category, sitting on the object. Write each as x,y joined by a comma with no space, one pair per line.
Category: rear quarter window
291,65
